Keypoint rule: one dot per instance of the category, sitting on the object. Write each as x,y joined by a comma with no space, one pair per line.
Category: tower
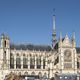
67,55
4,50
54,32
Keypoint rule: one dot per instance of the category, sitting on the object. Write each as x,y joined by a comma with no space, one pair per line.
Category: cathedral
60,60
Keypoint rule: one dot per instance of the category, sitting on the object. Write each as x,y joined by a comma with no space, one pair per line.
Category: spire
54,26
54,32
54,20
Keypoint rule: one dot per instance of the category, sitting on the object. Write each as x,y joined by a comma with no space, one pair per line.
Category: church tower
5,51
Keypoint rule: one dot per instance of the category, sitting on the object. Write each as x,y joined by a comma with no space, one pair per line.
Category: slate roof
30,47
36,47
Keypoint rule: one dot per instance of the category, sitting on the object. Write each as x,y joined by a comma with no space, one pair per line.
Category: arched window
38,62
25,62
77,64
11,60
40,74
26,73
33,73
32,62
18,61
44,63
45,76
5,43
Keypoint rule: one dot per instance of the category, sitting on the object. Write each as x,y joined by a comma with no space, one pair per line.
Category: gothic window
67,59
38,62
44,63
67,56
33,73
11,61
77,64
32,62
45,76
26,73
4,56
25,62
5,43
40,74
18,62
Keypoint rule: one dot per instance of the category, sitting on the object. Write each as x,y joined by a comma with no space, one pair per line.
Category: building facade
60,60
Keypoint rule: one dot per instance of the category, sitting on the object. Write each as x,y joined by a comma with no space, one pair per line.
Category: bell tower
5,51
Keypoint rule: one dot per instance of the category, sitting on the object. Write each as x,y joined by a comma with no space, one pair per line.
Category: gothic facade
61,60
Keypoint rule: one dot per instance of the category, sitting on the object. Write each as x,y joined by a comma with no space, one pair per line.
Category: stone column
28,61
41,62
35,62
21,61
14,61
46,62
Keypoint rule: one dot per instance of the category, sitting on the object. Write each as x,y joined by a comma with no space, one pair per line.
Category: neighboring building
61,60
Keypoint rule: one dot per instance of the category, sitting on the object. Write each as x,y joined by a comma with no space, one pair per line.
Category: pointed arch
32,62
45,75
33,73
26,73
25,61
40,74
38,61
18,61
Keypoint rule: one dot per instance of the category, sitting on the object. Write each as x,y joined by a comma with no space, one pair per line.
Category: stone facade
39,60
61,60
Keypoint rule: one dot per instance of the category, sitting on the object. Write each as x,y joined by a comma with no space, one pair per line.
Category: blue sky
30,21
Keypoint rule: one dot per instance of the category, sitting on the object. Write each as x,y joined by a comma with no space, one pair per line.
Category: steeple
54,32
